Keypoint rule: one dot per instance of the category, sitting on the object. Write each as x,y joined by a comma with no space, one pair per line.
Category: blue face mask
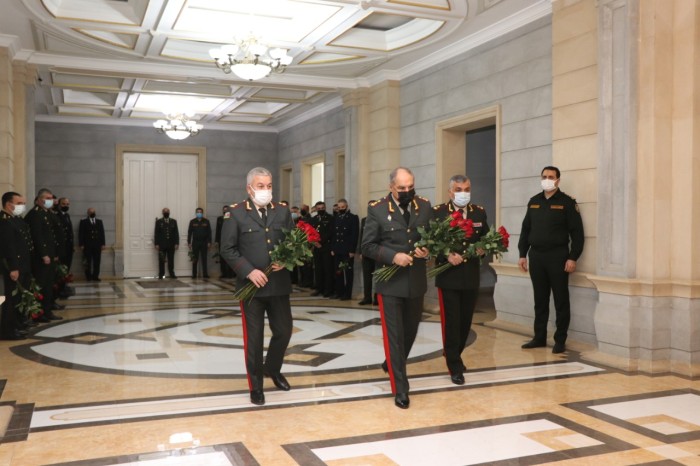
48,203
200,215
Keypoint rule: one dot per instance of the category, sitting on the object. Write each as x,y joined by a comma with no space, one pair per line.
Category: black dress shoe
401,400
385,367
42,319
365,302
315,293
534,344
16,335
375,302
173,276
280,382
257,397
54,317
58,307
457,379
559,348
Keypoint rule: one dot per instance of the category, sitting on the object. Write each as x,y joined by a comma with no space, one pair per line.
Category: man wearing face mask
199,241
91,240
552,238
45,257
66,257
323,261
391,231
15,263
346,229
458,286
256,225
225,269
167,241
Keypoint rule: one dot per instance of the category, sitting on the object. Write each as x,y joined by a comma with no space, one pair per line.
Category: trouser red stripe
387,351
245,347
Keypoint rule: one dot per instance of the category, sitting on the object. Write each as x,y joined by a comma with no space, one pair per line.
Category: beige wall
575,110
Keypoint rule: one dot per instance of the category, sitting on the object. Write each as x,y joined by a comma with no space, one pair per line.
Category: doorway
152,181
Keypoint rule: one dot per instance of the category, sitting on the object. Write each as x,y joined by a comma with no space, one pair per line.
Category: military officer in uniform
226,271
66,257
45,258
248,237
552,238
166,240
367,269
389,238
346,226
458,286
323,261
91,240
15,263
199,241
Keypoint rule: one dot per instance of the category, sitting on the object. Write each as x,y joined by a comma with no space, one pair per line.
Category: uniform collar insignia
247,205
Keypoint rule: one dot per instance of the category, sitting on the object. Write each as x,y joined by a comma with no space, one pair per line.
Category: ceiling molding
522,18
149,123
317,110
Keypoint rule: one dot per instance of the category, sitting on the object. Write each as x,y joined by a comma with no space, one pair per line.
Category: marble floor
148,372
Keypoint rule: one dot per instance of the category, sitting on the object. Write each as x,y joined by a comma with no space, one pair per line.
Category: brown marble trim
585,407
303,452
18,428
236,453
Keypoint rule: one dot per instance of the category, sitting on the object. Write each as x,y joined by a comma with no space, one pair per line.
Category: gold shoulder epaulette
437,207
234,205
282,203
479,207
374,203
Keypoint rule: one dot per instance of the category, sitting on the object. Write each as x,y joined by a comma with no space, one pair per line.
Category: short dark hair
319,203
555,169
198,209
8,196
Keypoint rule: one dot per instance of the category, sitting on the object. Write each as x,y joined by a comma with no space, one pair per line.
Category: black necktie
263,214
406,213
461,211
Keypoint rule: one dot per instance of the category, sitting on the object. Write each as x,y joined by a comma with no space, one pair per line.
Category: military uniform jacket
16,244
67,225
550,223
40,225
466,274
89,235
324,226
199,231
386,233
247,241
346,230
59,233
166,234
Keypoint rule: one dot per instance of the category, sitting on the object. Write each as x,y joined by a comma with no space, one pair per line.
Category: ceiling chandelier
249,59
178,126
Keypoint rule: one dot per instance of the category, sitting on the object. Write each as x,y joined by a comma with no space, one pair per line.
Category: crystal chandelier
178,126
249,59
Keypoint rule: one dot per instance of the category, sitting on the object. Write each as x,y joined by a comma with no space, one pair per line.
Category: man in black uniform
61,246
255,226
91,239
166,239
66,258
45,258
199,241
346,230
323,261
391,232
458,286
15,263
552,220
226,271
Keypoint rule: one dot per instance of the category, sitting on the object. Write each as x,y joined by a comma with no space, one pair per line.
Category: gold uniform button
409,230
269,241
267,229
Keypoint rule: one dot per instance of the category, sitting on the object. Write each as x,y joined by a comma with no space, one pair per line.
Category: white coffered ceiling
128,61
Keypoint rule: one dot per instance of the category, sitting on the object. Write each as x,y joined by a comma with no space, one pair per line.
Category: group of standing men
552,234
33,244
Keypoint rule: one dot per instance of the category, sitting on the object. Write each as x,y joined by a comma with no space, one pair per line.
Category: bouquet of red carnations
292,251
494,242
30,299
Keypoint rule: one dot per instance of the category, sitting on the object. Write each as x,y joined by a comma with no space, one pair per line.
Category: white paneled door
153,181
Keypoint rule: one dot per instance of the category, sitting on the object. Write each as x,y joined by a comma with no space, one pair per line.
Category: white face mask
262,197
462,198
19,210
548,185
48,203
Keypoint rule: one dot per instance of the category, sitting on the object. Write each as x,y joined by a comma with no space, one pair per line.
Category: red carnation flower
457,215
